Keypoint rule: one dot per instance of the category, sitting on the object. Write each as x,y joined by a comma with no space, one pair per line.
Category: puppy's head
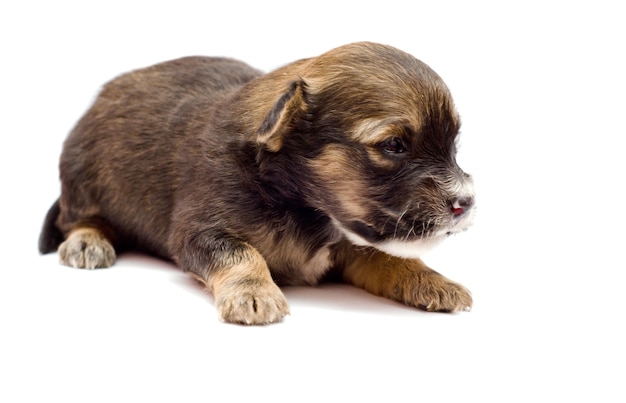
367,134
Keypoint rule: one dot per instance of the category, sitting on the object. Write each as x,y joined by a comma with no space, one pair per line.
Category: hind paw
86,248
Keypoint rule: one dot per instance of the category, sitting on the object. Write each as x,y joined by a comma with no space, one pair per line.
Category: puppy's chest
298,248
314,268
293,265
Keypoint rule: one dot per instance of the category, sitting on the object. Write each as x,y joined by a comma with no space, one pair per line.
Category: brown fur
249,181
408,281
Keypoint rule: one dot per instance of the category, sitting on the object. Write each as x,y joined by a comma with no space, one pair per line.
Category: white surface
540,90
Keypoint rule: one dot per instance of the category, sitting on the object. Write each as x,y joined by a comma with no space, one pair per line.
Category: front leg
237,276
408,281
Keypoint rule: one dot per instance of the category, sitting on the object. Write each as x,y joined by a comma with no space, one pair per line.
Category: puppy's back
121,161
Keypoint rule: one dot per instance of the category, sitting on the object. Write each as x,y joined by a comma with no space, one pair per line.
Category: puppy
342,163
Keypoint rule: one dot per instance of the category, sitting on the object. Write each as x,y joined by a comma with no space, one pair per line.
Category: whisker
395,232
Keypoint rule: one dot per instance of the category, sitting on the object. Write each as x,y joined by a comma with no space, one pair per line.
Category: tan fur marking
408,281
334,167
245,293
373,131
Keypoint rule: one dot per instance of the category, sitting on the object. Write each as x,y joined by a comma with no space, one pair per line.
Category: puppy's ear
289,107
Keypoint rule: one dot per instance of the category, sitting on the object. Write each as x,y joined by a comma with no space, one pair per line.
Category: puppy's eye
393,146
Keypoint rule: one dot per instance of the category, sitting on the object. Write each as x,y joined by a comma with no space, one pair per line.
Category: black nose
460,205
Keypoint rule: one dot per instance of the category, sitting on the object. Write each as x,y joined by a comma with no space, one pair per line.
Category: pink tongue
457,211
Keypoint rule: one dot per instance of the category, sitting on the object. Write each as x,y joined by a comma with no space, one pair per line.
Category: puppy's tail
50,237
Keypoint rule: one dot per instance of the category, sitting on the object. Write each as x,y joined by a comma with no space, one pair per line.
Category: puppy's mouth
410,240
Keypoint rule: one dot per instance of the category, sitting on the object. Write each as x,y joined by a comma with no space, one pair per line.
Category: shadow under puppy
343,162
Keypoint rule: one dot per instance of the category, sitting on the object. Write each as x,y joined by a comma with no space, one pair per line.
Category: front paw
433,292
251,303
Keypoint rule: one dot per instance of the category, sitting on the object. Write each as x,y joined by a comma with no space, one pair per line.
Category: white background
540,88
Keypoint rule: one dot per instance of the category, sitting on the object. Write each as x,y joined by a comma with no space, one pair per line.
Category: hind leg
86,248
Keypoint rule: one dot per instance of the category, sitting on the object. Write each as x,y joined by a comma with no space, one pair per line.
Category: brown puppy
341,163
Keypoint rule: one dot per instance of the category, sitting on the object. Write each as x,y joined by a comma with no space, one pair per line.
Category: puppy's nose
460,205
